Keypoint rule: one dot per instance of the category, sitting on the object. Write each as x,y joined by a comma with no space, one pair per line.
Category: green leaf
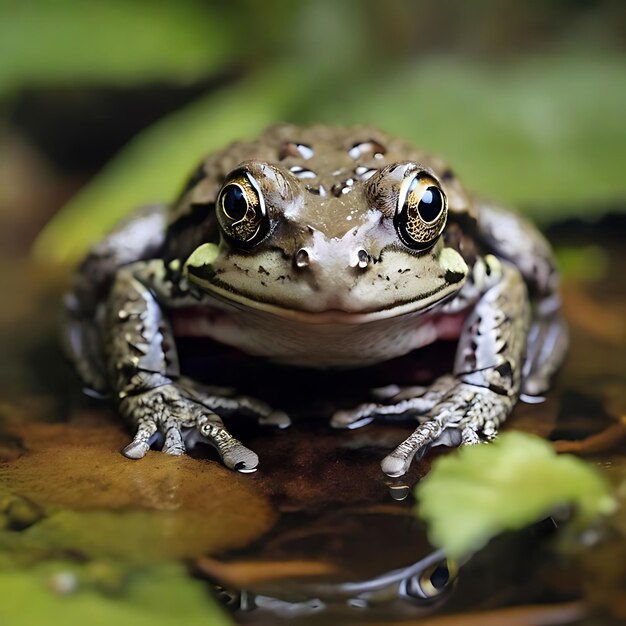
481,491
118,41
157,597
153,166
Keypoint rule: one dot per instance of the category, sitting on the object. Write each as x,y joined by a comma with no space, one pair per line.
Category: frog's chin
331,315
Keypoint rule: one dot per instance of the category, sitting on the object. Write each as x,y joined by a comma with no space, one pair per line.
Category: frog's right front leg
143,364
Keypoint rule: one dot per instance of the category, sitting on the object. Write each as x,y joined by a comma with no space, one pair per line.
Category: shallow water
318,514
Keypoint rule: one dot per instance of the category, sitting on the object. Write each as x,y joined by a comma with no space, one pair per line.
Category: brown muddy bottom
318,534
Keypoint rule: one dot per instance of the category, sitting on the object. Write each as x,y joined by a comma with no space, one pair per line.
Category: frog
318,248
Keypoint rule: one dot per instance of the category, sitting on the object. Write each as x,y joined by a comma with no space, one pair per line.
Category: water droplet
399,492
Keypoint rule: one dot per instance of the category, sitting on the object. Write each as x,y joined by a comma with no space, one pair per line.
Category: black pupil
234,203
430,205
440,577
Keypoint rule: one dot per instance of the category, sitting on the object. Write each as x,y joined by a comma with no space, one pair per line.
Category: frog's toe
365,413
240,458
173,443
428,395
277,419
233,453
144,437
395,465
402,403
398,462
354,418
469,437
384,394
136,450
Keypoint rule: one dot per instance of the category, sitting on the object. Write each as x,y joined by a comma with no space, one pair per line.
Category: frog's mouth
225,294
328,296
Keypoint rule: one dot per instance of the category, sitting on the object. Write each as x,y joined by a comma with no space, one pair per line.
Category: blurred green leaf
117,41
583,263
161,596
481,491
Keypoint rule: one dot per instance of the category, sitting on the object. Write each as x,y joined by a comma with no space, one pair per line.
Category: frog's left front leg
487,375
143,363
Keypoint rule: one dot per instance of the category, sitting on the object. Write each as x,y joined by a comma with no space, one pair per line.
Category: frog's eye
421,212
432,582
241,211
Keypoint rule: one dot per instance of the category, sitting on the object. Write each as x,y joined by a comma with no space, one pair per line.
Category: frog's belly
300,344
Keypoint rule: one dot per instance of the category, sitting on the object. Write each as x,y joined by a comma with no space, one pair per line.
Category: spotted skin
321,273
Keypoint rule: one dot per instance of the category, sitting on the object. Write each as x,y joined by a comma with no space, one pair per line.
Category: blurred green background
105,106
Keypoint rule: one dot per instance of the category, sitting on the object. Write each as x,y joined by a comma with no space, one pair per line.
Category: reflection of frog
323,248
377,557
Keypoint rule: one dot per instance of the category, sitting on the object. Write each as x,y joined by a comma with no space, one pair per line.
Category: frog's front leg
487,374
143,363
468,405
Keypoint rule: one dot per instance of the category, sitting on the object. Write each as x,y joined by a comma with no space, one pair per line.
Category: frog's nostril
360,259
302,258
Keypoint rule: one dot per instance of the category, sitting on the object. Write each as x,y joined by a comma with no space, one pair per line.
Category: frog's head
354,251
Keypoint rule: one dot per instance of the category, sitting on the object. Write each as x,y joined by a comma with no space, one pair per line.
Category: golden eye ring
432,582
421,212
241,211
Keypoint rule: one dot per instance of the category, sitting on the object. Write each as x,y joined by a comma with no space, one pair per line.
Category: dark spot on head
343,187
320,190
447,175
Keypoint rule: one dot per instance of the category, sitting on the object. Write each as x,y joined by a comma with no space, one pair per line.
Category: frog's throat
198,271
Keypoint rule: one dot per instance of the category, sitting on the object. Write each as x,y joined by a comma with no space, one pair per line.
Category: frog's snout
359,258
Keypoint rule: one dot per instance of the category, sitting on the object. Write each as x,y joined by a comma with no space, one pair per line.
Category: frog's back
330,159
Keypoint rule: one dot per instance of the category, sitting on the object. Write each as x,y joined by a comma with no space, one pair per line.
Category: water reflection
373,556
415,588
420,583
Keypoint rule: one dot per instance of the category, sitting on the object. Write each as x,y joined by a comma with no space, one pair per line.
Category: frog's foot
180,419
396,403
467,415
